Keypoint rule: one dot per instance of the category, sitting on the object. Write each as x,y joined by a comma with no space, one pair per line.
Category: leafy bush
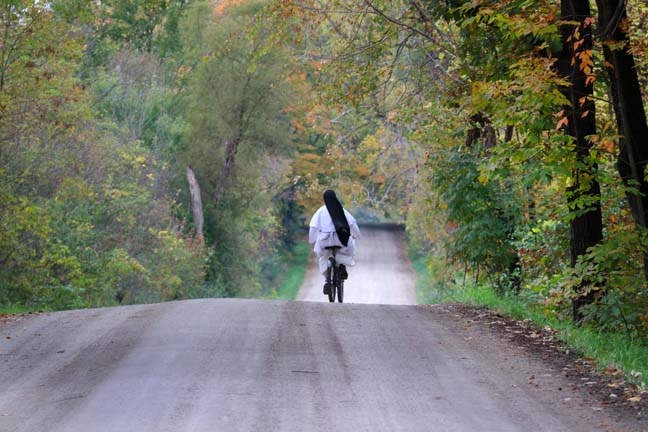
177,266
33,259
615,274
62,298
482,215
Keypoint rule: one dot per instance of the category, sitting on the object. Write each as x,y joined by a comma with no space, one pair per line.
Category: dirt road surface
253,365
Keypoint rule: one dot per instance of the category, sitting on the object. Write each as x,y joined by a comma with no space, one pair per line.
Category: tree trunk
231,148
196,204
628,107
583,197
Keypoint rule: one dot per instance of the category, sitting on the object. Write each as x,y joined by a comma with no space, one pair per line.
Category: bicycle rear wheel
331,277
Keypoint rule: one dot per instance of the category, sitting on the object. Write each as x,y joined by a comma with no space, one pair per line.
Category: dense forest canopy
164,149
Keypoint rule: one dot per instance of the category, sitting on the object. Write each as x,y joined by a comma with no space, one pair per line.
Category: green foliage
133,92
137,24
544,254
436,276
496,36
482,215
288,274
233,267
622,300
33,261
13,309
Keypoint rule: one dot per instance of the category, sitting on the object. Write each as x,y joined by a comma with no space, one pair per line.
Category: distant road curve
382,275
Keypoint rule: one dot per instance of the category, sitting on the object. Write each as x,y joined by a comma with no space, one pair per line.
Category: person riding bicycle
333,226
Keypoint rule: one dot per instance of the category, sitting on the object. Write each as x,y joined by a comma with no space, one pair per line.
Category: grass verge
13,309
294,275
607,351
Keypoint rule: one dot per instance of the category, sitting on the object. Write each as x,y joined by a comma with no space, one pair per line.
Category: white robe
322,234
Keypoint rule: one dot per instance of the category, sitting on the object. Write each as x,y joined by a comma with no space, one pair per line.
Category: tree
135,24
237,135
625,91
576,66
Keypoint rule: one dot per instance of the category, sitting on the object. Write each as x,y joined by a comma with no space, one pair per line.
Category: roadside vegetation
293,276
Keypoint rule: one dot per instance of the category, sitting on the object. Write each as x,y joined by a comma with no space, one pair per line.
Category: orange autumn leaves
221,6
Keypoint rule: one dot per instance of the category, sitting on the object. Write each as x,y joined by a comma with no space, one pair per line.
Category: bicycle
335,276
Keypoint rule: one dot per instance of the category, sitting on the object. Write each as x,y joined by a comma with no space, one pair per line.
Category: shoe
343,272
327,288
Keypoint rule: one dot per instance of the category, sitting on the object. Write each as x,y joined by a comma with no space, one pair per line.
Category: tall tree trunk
628,107
231,148
574,63
196,204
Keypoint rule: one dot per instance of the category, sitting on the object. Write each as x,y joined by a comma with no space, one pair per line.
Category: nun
332,225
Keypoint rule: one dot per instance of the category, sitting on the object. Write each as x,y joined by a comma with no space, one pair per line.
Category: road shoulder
548,368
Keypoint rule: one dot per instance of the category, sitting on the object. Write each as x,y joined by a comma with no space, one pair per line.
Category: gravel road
254,365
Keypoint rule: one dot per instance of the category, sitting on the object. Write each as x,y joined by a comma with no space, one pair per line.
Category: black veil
337,214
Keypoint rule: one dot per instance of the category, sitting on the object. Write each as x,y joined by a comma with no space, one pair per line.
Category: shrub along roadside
606,350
